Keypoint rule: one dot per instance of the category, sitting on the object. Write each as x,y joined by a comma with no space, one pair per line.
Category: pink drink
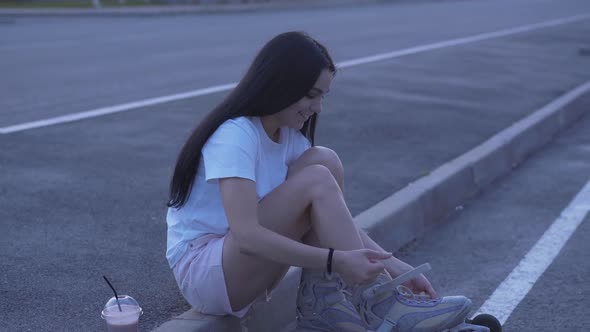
133,327
124,320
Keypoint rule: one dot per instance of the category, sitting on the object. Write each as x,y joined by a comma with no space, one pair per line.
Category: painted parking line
344,64
520,281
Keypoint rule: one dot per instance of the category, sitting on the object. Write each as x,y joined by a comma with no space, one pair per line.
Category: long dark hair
282,73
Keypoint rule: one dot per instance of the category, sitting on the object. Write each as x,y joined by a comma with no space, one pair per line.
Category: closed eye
313,97
317,90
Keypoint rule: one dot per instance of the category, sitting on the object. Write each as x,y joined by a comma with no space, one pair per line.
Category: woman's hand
421,284
363,265
417,285
359,266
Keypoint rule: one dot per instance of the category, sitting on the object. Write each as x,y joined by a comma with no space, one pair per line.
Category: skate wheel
488,321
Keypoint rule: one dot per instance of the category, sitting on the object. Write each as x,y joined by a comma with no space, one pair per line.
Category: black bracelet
330,260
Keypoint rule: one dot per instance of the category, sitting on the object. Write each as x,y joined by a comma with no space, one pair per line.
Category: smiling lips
303,116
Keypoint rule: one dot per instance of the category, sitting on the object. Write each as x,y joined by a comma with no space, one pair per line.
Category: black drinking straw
114,291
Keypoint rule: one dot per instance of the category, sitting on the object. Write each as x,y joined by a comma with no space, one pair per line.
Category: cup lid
129,307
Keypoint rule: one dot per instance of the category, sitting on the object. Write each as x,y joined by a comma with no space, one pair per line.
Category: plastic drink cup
124,320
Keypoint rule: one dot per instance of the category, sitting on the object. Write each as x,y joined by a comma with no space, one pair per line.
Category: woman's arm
393,265
267,244
241,208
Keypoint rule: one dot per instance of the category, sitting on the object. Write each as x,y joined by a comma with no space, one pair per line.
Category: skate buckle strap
391,285
387,326
389,323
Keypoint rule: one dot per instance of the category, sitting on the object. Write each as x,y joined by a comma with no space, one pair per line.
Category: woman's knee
319,155
319,181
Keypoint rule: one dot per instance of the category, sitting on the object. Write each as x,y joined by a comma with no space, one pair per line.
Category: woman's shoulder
244,122
239,126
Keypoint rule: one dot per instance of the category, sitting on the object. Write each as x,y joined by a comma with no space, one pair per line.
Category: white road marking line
220,88
114,109
520,281
461,41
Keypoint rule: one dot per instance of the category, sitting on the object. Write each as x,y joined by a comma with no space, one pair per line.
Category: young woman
251,196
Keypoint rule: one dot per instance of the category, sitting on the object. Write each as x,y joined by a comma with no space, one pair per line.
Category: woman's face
295,115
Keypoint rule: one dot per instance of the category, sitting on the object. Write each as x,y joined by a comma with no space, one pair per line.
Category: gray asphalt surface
87,198
97,62
481,244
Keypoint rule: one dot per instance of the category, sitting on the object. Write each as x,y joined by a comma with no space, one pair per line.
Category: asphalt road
83,199
478,247
58,65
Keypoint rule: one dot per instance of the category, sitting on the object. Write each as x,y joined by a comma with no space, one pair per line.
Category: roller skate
488,322
322,305
386,305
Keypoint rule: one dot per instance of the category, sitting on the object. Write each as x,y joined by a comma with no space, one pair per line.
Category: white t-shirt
238,148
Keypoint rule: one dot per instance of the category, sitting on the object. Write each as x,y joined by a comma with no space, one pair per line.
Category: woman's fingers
378,266
365,264
375,269
377,255
431,292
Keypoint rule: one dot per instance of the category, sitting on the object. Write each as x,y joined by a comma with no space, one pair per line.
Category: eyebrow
320,90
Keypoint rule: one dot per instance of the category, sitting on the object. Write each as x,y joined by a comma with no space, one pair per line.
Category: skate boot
322,305
386,305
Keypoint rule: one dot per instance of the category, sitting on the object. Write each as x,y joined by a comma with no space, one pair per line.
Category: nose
316,107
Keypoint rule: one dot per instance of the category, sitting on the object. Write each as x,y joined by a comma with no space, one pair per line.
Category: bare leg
309,199
329,159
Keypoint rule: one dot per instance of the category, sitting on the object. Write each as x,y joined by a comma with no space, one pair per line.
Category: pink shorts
199,275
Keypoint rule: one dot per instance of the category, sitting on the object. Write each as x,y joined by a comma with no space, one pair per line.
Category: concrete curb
408,213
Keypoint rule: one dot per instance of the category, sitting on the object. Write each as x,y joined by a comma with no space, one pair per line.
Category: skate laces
347,293
410,297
